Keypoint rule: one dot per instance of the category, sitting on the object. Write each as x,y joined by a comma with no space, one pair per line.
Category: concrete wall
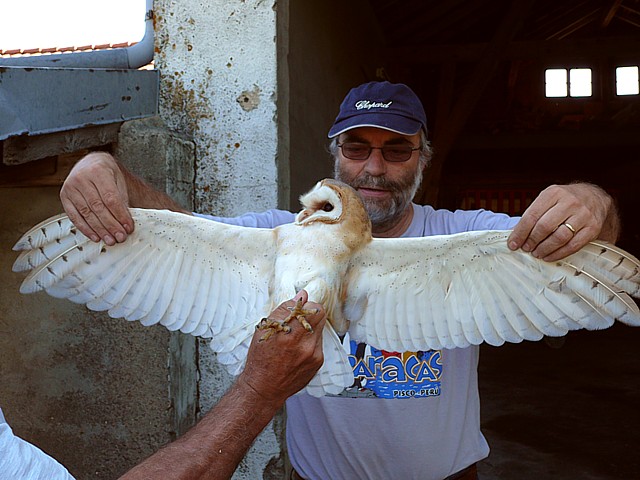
219,86
72,381
90,390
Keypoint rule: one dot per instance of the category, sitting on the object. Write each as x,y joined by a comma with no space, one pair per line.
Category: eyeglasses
391,153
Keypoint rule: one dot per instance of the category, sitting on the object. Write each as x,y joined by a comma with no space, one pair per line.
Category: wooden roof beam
629,15
611,12
575,26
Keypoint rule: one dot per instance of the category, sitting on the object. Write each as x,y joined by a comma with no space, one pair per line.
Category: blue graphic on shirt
383,374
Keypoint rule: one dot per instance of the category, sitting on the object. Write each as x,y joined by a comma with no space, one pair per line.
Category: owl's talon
266,336
272,327
303,321
299,314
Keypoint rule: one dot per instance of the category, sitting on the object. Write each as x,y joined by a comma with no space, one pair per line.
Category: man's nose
376,164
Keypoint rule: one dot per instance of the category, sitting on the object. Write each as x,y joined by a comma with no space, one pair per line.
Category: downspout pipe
133,57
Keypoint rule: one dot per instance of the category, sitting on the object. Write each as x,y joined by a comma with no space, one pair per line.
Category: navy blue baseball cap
391,106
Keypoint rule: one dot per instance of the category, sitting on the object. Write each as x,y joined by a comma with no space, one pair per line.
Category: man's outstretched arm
275,369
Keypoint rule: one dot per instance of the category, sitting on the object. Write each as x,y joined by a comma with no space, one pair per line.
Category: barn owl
398,294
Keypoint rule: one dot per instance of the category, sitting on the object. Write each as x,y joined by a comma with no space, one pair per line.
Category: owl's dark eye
327,207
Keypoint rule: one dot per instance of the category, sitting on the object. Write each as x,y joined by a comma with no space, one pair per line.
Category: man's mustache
369,181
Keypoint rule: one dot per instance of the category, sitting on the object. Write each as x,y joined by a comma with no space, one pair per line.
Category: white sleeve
20,460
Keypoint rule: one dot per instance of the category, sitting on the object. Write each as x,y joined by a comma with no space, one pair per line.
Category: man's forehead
370,134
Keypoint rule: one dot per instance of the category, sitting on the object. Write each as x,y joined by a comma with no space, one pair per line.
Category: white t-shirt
411,415
20,460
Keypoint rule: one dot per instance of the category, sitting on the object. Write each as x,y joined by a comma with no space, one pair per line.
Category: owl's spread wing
186,273
411,294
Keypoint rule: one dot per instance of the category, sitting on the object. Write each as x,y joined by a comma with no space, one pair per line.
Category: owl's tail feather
336,373
333,377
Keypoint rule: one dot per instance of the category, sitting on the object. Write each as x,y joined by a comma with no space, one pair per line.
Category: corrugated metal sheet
45,100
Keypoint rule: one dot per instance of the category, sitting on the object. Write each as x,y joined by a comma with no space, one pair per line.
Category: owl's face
334,202
323,203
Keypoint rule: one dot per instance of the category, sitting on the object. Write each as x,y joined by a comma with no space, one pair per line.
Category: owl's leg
299,314
273,326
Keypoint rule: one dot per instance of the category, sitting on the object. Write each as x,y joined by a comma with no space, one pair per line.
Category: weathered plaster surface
218,86
218,66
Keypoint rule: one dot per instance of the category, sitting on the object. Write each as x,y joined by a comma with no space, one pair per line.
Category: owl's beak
304,214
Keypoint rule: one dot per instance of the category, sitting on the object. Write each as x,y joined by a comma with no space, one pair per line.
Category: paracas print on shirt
382,374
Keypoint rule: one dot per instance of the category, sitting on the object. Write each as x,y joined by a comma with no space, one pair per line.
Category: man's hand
286,362
563,219
96,199
97,195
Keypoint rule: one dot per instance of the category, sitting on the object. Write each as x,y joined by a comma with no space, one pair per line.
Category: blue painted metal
45,100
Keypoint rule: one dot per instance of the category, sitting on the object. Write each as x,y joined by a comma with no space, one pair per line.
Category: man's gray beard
384,213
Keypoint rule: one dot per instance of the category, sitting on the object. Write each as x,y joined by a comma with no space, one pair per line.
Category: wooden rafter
611,12
629,15
575,25
635,23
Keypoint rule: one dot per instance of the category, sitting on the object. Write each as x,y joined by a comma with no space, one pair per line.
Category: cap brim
393,123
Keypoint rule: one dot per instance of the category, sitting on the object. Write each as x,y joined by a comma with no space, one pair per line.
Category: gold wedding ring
568,225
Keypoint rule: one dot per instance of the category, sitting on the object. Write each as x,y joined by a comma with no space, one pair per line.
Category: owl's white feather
168,272
470,287
407,294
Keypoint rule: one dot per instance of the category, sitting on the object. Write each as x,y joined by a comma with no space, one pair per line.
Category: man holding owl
431,430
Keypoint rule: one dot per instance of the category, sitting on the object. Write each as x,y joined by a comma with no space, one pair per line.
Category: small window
555,82
580,82
40,24
574,82
627,81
